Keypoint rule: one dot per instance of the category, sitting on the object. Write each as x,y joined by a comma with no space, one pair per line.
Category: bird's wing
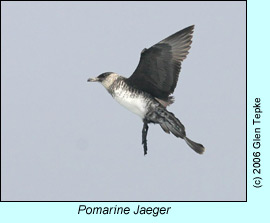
158,70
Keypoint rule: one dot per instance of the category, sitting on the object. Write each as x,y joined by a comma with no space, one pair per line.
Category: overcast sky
66,139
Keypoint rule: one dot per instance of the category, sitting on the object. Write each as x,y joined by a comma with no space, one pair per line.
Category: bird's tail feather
169,123
198,148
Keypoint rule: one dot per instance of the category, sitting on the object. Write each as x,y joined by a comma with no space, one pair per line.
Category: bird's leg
144,134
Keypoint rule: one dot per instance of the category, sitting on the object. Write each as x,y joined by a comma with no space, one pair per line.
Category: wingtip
191,28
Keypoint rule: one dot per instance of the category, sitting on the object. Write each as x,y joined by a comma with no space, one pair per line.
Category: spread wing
158,70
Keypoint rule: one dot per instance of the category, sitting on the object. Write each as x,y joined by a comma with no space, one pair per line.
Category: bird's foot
144,142
144,135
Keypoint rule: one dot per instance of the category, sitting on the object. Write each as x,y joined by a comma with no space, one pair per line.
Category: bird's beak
95,79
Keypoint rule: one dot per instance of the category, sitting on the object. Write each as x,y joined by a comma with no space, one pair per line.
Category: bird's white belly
134,103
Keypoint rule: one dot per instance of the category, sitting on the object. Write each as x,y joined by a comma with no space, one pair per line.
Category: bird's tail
169,123
198,148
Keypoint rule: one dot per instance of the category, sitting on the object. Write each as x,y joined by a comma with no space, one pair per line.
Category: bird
148,91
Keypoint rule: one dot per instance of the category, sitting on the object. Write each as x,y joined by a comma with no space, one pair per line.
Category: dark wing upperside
158,70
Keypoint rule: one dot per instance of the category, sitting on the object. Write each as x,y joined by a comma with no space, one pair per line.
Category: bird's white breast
135,103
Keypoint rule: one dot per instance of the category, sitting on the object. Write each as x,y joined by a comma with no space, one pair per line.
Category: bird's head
106,79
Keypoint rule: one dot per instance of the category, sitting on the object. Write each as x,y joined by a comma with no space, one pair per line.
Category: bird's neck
118,83
109,81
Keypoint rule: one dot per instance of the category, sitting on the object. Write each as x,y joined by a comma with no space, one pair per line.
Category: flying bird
147,92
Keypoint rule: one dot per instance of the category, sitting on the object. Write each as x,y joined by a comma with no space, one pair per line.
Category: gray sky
66,139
